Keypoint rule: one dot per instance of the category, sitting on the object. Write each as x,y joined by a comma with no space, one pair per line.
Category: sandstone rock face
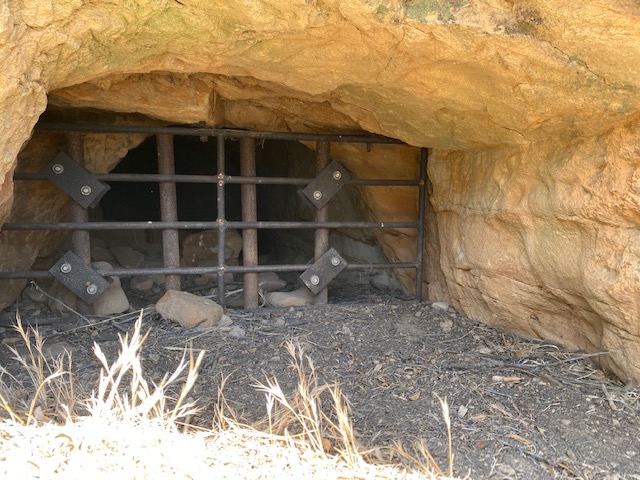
545,239
35,202
533,220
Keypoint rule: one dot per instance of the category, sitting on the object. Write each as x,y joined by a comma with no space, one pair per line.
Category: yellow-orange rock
534,214
545,239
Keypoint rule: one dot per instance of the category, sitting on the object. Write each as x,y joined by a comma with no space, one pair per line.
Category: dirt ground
520,409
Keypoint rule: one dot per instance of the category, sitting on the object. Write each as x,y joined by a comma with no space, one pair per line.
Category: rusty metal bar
322,215
208,270
249,214
81,238
248,181
422,198
221,221
168,211
154,177
213,132
203,225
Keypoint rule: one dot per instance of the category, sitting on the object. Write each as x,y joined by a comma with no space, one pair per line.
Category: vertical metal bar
80,239
422,197
168,210
249,214
221,220
322,215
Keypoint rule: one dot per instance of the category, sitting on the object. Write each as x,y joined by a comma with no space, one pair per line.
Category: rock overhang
485,74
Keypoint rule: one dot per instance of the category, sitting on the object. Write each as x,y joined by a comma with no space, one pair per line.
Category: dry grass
131,429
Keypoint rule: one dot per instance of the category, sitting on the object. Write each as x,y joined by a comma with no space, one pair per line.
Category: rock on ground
296,298
113,299
189,310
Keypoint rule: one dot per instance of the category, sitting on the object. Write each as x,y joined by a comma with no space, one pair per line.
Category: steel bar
168,211
422,198
154,177
221,223
129,272
321,244
249,224
203,225
249,214
213,132
81,238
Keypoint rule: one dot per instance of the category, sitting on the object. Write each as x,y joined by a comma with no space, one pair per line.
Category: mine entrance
235,211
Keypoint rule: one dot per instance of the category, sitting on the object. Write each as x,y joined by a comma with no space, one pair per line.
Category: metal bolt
317,194
57,168
337,175
315,280
92,289
335,261
65,267
85,190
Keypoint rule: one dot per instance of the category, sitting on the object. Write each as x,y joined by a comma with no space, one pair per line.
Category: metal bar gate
169,224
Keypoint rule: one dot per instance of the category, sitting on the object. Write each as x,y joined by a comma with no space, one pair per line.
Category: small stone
236,332
462,411
100,253
270,282
446,326
112,300
142,284
189,310
443,306
506,470
565,422
346,331
127,256
297,298
225,321
204,246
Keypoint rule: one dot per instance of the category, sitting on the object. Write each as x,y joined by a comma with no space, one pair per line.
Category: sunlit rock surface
529,107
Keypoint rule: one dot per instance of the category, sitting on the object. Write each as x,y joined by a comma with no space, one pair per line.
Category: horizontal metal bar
212,132
201,225
206,270
213,179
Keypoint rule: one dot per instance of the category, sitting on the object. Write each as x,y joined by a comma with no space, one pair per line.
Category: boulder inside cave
530,109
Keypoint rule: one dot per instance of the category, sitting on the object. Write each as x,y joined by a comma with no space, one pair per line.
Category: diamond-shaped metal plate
325,269
75,181
322,188
81,279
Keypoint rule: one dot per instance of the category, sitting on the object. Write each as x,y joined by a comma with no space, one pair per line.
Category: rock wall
545,239
521,100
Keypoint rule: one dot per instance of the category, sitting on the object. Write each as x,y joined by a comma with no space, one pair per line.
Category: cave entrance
223,204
